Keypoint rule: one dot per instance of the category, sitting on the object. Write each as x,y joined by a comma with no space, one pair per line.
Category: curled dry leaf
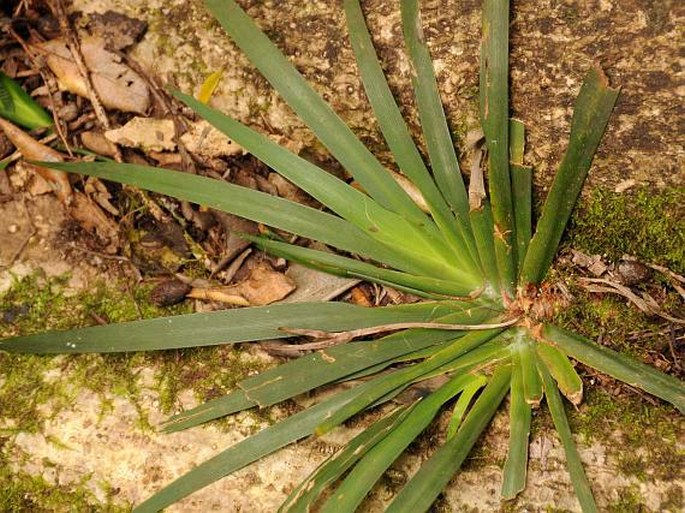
411,190
117,85
148,134
92,218
262,287
34,150
98,143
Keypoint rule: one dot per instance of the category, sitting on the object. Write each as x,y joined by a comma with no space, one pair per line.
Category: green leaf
580,482
241,201
421,244
249,450
394,128
494,112
590,117
532,385
336,264
18,107
481,220
617,365
469,351
303,497
434,474
434,125
371,467
521,189
350,361
462,404
214,328
310,107
515,468
562,370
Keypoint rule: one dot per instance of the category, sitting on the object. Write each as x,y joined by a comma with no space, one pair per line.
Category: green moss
642,222
21,492
628,502
642,437
48,385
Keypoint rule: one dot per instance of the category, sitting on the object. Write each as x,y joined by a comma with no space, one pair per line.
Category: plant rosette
470,252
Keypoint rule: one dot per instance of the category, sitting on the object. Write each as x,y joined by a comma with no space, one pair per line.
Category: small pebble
13,228
632,272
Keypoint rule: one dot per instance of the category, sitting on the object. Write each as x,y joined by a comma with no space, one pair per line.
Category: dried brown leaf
91,217
117,85
34,150
148,134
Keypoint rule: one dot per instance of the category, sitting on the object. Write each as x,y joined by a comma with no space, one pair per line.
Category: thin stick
333,338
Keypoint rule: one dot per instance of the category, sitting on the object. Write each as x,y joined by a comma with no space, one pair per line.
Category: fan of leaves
473,256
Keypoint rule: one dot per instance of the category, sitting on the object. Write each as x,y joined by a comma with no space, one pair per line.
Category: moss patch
642,222
32,387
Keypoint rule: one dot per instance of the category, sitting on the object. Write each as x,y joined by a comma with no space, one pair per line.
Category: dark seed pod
170,292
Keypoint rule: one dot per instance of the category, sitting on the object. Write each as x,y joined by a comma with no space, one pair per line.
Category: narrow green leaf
532,385
521,190
434,474
241,201
563,372
249,450
344,266
434,125
617,365
482,223
469,351
581,485
462,404
310,107
515,468
590,117
394,128
349,361
421,244
213,328
17,106
364,475
302,498
517,141
494,112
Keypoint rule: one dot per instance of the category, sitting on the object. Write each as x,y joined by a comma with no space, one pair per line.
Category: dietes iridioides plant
474,257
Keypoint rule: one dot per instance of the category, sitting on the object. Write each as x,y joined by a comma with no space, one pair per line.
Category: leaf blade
434,474
590,117
311,109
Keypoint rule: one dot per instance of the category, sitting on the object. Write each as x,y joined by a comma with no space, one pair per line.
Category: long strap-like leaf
364,475
249,450
618,365
241,201
494,112
434,474
311,108
590,117
212,328
336,264
434,125
581,485
394,128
